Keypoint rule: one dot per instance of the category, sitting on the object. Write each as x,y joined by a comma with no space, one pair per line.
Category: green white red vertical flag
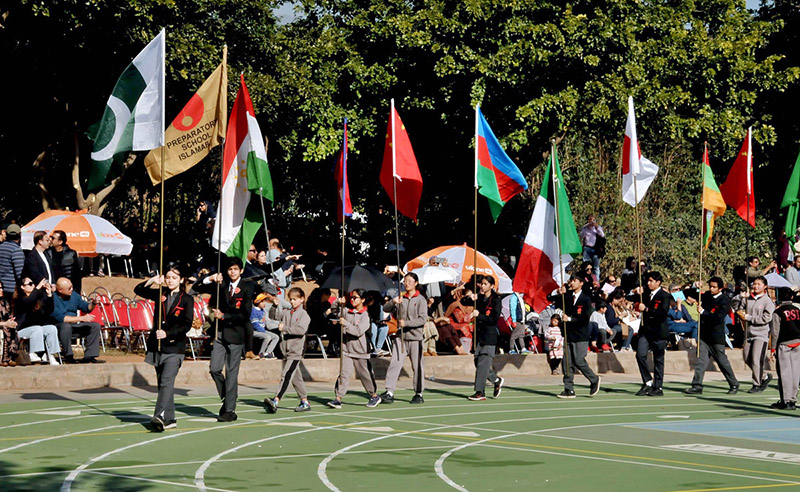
239,217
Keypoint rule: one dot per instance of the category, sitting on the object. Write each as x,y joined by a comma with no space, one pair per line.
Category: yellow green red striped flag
713,203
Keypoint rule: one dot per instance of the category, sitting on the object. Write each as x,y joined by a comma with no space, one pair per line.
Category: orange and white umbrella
88,235
462,259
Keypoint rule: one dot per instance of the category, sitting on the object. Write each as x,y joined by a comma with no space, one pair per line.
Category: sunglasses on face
26,284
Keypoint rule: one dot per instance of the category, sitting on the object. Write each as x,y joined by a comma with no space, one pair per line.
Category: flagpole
638,238
749,231
219,232
163,198
558,240
702,243
396,222
473,321
342,197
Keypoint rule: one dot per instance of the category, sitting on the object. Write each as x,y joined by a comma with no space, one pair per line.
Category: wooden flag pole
473,321
218,225
161,247
702,244
638,238
396,221
556,186
342,292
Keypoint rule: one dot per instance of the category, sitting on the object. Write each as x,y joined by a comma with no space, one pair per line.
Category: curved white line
121,116
89,431
66,486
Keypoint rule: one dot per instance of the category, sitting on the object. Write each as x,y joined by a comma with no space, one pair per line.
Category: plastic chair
141,320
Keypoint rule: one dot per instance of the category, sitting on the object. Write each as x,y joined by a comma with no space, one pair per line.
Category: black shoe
270,405
157,424
91,360
733,390
566,394
386,398
478,396
172,424
595,387
694,390
779,405
791,406
765,382
70,360
498,386
417,399
755,389
643,391
655,392
227,417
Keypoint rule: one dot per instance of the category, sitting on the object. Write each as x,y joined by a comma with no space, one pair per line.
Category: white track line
151,480
70,434
439,465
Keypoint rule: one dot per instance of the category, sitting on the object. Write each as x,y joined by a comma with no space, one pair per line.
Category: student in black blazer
653,333
714,306
166,344
233,329
577,308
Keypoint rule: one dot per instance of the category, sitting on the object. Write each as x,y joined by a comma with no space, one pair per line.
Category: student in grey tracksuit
293,328
355,323
786,344
411,312
759,309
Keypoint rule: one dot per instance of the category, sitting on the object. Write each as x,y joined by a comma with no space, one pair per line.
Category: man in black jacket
486,315
233,328
714,306
653,333
65,259
37,264
577,307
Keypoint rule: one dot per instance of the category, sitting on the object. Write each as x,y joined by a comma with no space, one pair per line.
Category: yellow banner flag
199,127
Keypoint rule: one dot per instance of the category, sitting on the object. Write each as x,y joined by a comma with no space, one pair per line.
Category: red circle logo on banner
190,115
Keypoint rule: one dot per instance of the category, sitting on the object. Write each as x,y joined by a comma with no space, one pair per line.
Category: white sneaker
34,357
53,360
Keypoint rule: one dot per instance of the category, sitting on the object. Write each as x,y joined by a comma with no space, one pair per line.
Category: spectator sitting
66,304
555,343
379,330
460,311
258,318
793,273
32,308
604,334
9,343
679,320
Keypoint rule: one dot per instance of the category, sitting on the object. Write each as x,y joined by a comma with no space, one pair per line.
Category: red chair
141,320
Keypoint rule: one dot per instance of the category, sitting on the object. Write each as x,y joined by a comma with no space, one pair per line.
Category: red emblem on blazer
238,304
236,291
580,308
163,298
655,306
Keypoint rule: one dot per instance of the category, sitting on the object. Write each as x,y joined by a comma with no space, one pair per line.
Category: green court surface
526,439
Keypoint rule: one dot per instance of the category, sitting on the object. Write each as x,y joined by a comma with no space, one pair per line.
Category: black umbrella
357,277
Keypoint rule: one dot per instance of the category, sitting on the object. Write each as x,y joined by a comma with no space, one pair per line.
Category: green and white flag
134,116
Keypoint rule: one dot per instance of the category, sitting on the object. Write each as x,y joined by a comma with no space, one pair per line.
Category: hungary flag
538,269
134,115
713,203
239,218
496,176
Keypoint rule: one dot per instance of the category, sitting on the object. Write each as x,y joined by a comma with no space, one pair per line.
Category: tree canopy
698,70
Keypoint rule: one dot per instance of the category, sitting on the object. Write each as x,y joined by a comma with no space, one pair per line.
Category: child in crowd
354,322
258,318
555,343
293,328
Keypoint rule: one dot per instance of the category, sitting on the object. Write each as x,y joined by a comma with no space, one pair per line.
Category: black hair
655,276
762,278
785,294
412,275
236,261
717,280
